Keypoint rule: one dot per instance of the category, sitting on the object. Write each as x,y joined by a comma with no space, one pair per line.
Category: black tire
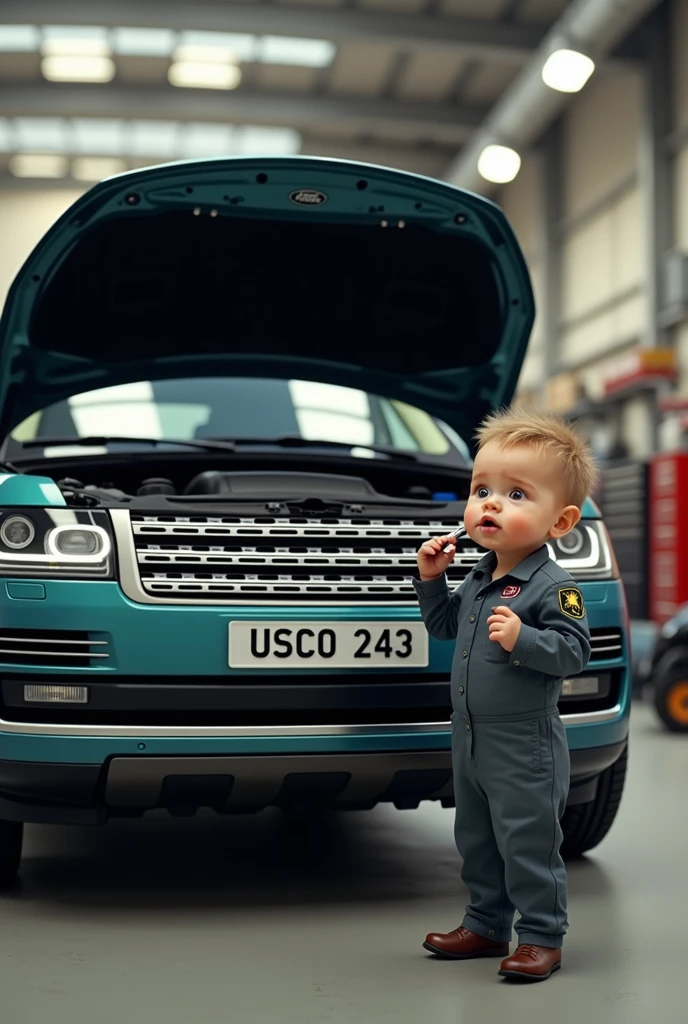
11,840
586,825
670,697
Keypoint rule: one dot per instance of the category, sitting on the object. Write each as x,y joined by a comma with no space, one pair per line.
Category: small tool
456,534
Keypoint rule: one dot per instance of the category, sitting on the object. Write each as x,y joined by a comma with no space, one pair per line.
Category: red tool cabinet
668,534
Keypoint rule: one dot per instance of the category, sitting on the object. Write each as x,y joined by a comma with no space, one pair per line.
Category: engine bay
133,481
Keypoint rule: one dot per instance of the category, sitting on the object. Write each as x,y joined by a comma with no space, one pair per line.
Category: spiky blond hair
544,432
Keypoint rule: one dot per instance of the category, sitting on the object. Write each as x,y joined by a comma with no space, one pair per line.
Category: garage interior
309,919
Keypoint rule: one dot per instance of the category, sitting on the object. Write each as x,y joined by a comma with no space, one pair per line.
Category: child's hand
432,561
504,627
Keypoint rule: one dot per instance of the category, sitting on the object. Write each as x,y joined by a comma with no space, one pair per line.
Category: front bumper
89,794
171,645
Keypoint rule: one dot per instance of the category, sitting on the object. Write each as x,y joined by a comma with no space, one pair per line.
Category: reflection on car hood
323,270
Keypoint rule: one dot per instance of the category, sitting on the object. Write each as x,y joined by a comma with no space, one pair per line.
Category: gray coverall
511,761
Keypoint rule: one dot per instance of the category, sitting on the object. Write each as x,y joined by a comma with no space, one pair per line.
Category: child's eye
517,494
482,492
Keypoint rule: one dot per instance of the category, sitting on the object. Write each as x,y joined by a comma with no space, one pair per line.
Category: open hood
323,270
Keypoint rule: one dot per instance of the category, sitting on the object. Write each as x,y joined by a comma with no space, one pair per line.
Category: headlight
55,543
68,541
584,552
17,532
572,543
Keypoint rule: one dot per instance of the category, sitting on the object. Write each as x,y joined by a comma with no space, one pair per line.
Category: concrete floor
248,920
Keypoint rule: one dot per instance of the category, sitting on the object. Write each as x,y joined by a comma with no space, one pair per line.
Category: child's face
516,500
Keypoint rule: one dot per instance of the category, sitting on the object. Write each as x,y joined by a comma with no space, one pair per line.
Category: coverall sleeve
560,644
439,607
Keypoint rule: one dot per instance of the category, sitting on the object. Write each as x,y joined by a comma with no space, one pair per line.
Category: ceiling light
567,70
266,141
202,46
38,165
153,138
192,54
40,134
19,38
189,75
311,53
78,69
143,42
75,41
98,136
96,168
139,139
205,140
499,164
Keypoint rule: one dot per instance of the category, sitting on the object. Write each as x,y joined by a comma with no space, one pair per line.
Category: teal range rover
236,395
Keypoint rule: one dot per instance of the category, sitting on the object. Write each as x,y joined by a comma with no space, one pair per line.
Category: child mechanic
520,628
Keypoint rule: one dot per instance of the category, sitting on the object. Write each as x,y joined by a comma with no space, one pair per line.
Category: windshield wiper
102,442
294,441
215,444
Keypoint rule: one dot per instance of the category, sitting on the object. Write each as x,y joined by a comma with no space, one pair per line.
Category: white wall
25,216
600,139
602,304
603,308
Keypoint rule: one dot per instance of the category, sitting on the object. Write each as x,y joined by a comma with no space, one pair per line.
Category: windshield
226,407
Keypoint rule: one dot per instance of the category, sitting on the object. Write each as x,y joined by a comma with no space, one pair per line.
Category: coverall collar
523,571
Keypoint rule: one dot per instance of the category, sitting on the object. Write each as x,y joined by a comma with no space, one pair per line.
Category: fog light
45,694
583,686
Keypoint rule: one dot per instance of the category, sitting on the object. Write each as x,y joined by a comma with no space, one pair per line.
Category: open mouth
486,523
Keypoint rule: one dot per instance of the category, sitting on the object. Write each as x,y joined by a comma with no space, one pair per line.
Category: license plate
319,645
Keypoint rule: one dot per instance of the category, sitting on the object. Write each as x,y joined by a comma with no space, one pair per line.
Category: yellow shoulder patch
571,602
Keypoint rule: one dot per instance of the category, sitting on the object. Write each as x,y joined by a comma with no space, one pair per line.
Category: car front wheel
11,839
586,825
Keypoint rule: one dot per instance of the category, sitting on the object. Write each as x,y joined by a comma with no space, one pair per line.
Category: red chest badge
511,592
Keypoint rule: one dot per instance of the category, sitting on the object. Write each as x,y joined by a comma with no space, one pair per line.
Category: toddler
519,625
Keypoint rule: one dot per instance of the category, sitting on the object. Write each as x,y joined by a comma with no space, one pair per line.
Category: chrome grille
296,558
55,648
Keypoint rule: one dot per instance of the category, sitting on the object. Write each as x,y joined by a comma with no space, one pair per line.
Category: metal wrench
457,534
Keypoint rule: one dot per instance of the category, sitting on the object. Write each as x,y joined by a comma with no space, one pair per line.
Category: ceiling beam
440,122
475,37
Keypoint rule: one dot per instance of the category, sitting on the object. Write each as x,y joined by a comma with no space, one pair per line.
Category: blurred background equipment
667,672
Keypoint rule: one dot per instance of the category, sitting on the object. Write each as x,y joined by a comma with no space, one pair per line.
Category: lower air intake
53,648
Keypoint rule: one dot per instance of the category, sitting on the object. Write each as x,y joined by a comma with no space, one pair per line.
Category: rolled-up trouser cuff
474,924
533,939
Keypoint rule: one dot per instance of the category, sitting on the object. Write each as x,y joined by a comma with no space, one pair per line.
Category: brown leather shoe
463,944
531,963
